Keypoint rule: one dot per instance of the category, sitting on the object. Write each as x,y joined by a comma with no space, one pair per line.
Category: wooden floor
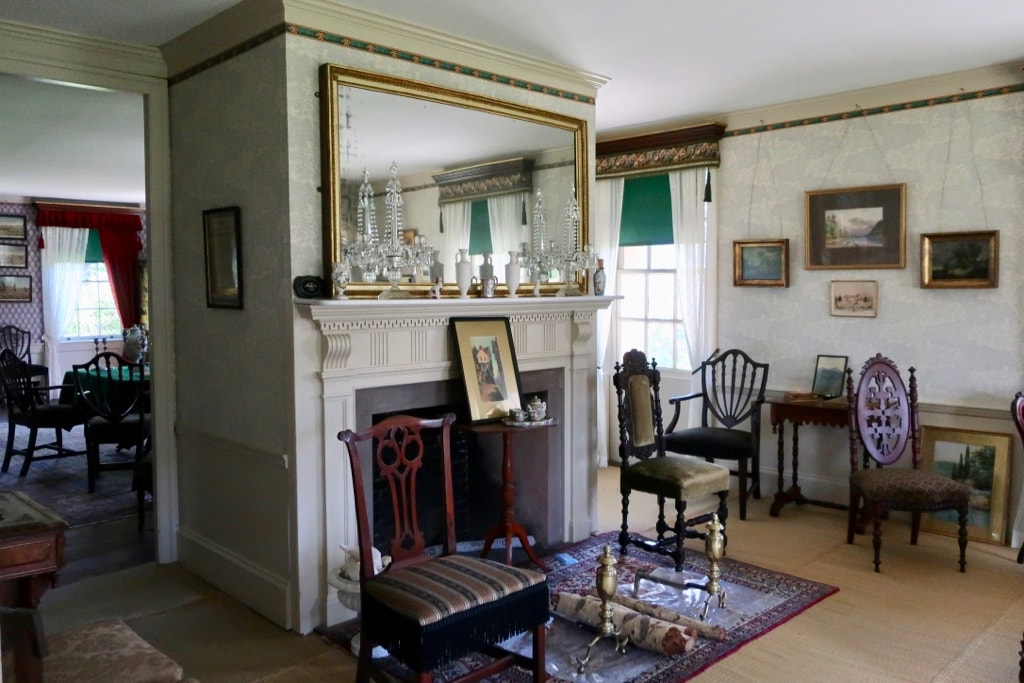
96,549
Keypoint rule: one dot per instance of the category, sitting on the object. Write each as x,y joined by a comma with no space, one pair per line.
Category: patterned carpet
758,600
61,484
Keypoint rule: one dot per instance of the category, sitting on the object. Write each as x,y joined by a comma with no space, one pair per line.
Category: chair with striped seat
428,611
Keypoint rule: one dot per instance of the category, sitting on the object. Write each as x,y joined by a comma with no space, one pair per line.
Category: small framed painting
222,234
960,259
12,227
983,460
15,289
13,256
829,375
487,357
854,298
760,263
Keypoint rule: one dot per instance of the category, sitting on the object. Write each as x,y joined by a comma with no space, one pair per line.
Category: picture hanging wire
753,178
974,164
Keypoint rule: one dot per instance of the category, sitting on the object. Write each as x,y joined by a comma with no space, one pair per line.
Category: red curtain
121,244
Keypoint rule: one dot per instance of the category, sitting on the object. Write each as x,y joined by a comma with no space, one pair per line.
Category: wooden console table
834,413
507,526
31,549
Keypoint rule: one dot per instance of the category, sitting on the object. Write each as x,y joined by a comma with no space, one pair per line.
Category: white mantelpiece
370,343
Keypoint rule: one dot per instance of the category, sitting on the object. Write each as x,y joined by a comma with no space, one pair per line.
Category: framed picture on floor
983,460
487,357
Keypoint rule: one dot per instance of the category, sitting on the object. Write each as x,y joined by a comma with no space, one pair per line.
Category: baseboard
265,592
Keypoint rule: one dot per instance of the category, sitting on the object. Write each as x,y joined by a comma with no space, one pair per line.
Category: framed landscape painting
960,259
861,227
981,459
760,263
854,298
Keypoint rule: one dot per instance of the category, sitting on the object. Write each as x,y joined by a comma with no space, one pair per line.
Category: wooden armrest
675,400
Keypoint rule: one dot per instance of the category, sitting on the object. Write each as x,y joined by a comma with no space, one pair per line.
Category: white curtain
605,231
506,214
696,264
456,217
63,258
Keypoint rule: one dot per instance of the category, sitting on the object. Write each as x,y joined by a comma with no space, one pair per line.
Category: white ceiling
667,61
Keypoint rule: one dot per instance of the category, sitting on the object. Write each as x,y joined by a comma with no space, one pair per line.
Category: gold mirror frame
333,77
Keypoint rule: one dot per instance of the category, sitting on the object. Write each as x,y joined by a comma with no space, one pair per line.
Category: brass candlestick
607,585
714,546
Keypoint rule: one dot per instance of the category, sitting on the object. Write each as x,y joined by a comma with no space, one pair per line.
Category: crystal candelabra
389,257
546,257
573,260
538,257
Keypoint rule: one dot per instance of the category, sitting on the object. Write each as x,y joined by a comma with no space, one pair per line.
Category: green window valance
646,211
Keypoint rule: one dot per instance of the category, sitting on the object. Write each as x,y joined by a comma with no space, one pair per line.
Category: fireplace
387,356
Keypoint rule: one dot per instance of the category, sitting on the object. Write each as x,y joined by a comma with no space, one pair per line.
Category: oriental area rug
61,484
757,601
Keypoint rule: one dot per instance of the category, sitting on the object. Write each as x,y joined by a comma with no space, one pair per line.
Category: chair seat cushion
710,442
672,476
906,489
103,430
52,415
433,612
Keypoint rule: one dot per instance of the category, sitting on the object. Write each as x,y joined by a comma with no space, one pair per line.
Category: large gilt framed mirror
448,151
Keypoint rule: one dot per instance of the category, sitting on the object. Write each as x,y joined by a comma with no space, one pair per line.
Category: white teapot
537,409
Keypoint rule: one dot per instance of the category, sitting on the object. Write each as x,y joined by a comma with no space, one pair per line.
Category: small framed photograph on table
487,356
829,376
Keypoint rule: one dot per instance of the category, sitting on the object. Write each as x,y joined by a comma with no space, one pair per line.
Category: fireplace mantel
371,343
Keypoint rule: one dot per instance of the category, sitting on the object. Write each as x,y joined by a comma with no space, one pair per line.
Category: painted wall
28,316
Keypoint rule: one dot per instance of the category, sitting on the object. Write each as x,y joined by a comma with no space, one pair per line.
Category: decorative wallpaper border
383,51
885,109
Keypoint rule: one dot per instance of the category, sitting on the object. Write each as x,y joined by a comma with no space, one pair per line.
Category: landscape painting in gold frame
760,263
960,259
859,227
983,460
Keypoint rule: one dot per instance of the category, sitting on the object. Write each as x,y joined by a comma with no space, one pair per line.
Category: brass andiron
714,546
607,585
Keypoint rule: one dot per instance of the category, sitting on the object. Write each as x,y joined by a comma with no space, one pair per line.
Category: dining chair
1017,413
884,425
646,467
33,406
19,341
732,386
428,610
114,392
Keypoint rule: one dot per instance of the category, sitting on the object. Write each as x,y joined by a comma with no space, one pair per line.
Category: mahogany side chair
427,610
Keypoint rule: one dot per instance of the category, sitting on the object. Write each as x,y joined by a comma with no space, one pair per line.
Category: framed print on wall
15,289
760,263
861,227
981,458
222,234
487,357
12,227
854,298
960,259
13,256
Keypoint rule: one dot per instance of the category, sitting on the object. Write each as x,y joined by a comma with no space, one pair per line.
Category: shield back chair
114,392
1017,412
884,425
32,406
645,466
732,387
19,341
424,610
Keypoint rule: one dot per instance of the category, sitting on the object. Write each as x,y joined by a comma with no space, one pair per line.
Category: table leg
507,526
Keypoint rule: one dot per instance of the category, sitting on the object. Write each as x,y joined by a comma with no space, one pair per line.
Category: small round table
507,526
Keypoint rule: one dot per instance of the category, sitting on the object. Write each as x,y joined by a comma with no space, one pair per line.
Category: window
650,315
95,315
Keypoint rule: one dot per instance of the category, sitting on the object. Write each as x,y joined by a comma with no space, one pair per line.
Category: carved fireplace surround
368,344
